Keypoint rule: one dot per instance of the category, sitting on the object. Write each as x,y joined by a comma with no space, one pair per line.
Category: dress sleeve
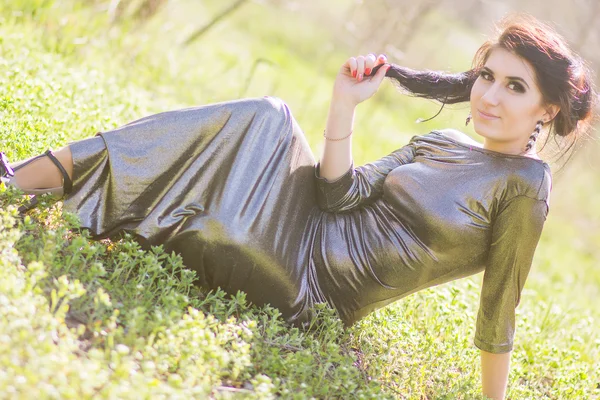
360,185
515,235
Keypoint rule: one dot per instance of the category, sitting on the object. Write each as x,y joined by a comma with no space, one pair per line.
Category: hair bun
583,99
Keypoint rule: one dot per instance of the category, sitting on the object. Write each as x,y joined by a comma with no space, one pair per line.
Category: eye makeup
518,82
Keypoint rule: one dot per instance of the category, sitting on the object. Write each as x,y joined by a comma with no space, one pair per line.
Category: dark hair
562,76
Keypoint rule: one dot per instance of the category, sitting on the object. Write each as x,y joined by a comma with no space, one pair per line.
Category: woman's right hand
351,83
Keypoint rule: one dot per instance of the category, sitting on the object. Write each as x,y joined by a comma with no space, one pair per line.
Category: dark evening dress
234,188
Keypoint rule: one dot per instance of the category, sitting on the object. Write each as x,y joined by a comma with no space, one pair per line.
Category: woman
233,187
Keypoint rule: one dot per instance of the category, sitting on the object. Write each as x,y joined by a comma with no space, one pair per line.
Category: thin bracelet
335,140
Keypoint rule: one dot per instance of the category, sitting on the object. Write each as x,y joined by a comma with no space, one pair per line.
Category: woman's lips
486,115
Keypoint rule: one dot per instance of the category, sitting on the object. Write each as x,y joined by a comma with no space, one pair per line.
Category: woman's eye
486,75
517,87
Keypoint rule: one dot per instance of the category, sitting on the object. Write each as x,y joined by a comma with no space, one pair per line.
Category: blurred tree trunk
139,10
382,22
148,9
224,14
420,12
593,15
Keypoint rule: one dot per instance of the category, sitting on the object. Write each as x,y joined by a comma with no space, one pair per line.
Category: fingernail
360,76
354,74
367,71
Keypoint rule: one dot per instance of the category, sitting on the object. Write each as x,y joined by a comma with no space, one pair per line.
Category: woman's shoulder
451,136
458,136
522,175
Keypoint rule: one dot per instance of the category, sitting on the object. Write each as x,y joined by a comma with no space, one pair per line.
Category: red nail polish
367,71
354,74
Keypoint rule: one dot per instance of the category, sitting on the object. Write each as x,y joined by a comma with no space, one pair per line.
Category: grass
84,319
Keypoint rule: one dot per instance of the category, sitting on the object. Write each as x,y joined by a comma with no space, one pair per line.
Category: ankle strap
5,169
67,183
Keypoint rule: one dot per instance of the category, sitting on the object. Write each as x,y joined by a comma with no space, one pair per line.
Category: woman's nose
490,97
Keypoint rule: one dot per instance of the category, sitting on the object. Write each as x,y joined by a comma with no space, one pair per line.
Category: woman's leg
40,172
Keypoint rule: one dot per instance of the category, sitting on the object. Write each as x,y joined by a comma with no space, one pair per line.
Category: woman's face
506,102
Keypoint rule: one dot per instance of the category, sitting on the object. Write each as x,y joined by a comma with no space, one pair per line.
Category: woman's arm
340,187
350,89
515,234
494,374
337,155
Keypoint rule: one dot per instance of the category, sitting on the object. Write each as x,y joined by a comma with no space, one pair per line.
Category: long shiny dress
234,188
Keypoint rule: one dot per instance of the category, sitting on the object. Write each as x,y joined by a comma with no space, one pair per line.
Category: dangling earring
469,117
534,135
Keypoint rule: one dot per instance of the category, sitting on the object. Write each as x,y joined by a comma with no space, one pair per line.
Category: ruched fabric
234,188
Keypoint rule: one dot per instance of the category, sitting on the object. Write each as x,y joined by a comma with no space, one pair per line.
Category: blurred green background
72,68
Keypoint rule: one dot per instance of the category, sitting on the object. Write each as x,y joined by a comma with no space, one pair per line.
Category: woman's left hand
352,85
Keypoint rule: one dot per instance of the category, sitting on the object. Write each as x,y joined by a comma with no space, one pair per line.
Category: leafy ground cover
106,319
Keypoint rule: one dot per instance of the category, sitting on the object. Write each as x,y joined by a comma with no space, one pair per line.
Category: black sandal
7,173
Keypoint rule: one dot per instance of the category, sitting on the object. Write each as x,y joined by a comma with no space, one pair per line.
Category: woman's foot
6,172
39,175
